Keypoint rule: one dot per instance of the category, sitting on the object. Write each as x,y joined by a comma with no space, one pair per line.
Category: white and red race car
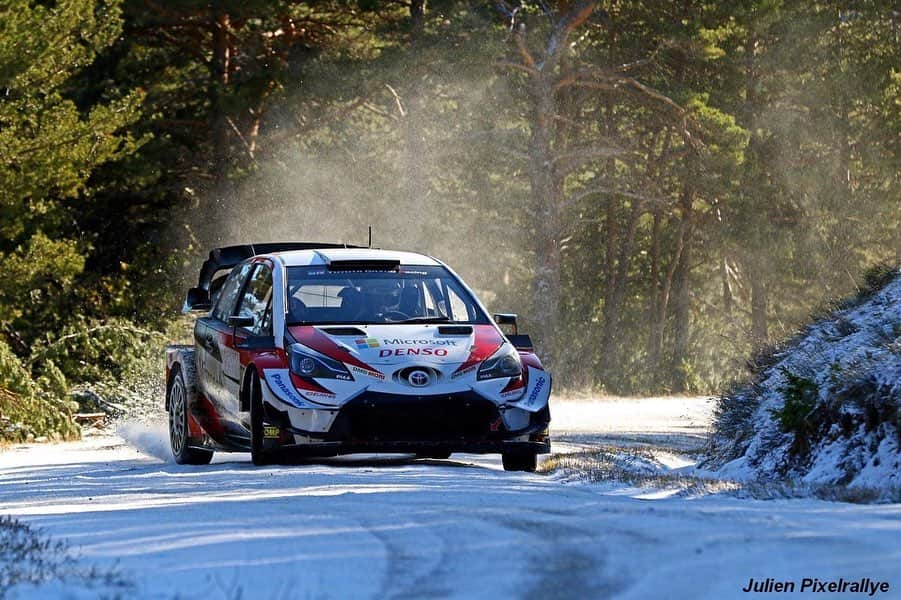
324,349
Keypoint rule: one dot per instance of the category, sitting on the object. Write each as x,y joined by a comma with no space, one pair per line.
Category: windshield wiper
423,320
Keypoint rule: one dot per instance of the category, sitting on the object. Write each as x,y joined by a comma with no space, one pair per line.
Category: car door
211,333
254,301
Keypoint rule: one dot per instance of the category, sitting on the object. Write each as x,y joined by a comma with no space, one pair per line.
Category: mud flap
538,391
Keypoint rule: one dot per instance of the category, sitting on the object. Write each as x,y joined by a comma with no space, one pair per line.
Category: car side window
228,295
256,299
459,311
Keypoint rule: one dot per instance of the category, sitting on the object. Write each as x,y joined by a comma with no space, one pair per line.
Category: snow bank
827,411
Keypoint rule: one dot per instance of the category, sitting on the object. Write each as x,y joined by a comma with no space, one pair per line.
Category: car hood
372,345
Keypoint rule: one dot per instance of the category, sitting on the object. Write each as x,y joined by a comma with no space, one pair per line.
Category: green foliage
801,395
48,145
87,351
30,409
877,277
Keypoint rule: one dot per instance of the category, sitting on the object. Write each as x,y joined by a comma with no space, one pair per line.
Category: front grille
390,418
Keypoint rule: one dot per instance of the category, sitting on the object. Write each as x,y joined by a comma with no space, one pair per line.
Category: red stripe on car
318,341
485,343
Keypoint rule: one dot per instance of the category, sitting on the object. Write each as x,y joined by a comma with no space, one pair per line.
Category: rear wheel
258,453
520,461
179,439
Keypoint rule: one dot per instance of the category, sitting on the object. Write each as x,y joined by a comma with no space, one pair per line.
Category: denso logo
539,385
426,342
413,352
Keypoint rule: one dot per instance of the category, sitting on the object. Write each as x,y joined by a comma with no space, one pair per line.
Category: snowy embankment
826,410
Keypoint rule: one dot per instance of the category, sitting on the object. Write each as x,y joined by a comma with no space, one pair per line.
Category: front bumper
380,422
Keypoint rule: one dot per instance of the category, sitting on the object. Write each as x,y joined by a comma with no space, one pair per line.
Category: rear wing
226,258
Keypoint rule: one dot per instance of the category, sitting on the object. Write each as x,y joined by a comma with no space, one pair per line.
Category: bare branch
651,93
527,58
568,23
400,106
248,147
581,155
604,190
516,66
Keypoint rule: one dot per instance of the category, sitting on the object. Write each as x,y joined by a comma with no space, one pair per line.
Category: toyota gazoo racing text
323,349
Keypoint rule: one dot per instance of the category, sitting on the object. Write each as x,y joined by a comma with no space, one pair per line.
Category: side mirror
240,321
259,342
506,319
197,299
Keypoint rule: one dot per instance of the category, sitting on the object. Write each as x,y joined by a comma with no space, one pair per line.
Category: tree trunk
220,71
727,288
655,343
546,195
682,298
613,307
417,187
658,320
759,303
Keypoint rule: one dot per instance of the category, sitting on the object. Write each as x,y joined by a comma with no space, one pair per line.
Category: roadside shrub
31,409
795,415
733,420
90,351
29,559
877,277
800,399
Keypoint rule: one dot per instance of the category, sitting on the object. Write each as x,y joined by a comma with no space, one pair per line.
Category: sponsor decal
375,374
495,425
415,342
536,391
284,388
364,343
270,432
513,393
314,394
463,372
412,352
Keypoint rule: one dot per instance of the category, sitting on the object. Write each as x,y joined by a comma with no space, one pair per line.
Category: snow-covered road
399,528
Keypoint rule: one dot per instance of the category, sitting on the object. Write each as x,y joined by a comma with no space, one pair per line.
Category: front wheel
520,461
179,439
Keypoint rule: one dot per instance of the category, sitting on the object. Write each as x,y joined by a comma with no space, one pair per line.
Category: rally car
310,349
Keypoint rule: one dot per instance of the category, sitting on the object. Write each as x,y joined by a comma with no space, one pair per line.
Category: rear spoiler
226,258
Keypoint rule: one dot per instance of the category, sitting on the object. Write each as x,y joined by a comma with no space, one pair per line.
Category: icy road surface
463,528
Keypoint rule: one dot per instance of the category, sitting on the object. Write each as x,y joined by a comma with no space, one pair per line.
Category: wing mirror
197,299
506,319
240,321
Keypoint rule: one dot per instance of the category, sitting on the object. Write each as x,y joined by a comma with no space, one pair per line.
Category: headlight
503,363
306,364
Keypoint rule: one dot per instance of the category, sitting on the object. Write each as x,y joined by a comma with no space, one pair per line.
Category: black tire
520,461
258,453
434,455
179,440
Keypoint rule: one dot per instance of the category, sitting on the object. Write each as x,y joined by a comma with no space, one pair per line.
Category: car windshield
409,294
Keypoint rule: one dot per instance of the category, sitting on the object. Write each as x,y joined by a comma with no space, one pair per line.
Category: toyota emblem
418,378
